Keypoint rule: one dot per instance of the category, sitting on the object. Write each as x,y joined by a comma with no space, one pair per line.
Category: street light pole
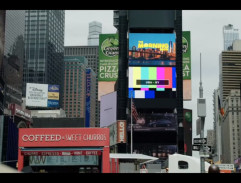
131,126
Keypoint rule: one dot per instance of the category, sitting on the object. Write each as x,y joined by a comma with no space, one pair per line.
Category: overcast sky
206,28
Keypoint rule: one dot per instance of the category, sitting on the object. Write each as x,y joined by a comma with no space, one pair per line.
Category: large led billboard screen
152,49
154,122
152,82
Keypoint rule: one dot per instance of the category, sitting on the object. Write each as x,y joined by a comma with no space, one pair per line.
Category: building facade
91,53
217,148
74,98
230,72
229,34
2,40
13,56
231,143
44,47
131,23
95,28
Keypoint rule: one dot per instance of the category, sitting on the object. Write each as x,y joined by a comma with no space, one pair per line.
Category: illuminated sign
152,49
152,82
44,137
121,131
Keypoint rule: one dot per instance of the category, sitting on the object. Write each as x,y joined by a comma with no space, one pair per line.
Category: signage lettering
121,132
67,137
62,153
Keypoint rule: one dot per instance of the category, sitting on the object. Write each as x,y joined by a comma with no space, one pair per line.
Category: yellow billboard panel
53,95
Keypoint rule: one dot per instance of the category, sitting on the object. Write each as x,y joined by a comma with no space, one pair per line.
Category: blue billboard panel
53,103
88,87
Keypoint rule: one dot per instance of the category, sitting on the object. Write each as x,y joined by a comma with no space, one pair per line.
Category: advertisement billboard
160,151
186,65
152,82
108,107
42,95
87,109
152,49
53,96
121,131
154,122
187,125
108,57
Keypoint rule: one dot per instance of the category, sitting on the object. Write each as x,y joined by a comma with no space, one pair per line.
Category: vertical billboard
108,63
87,109
108,57
42,95
152,61
53,96
186,65
187,125
108,109
121,131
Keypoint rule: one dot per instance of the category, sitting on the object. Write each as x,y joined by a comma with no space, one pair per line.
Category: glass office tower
44,48
229,34
13,56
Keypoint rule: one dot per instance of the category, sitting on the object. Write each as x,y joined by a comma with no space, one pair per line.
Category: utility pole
201,110
131,125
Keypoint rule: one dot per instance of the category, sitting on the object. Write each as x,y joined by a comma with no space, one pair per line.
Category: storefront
65,149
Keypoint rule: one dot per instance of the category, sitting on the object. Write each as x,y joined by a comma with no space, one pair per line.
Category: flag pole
131,125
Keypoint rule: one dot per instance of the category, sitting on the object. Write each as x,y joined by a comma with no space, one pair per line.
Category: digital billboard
87,109
108,57
42,95
160,151
186,65
152,82
152,49
187,125
154,122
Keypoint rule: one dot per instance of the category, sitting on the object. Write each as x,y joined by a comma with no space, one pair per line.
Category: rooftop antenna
201,111
200,87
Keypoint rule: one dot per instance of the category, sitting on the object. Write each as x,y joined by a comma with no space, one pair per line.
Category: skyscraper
95,28
230,75
44,47
229,34
13,56
91,53
74,98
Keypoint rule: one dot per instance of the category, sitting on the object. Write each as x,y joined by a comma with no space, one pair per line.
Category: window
182,165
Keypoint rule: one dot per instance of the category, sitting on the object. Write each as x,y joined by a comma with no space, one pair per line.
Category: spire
200,87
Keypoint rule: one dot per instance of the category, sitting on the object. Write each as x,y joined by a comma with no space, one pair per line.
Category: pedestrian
167,170
213,169
143,169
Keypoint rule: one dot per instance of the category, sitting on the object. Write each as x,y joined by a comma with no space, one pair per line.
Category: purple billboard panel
108,107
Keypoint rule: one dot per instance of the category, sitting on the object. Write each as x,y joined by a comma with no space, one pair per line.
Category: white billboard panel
36,95
108,107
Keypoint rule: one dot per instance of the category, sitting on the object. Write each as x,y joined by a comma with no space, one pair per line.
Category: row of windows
81,51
